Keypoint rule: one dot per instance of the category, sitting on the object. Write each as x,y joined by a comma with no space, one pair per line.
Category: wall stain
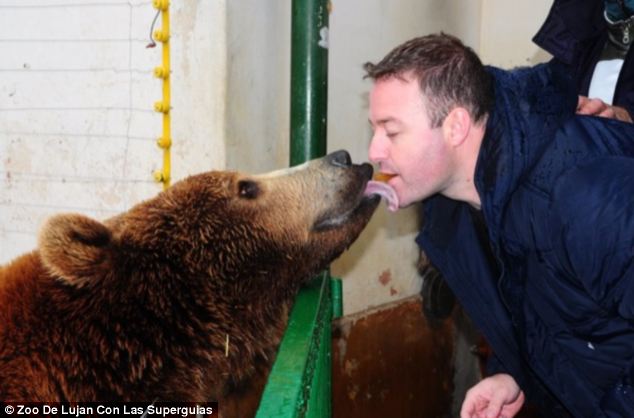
385,277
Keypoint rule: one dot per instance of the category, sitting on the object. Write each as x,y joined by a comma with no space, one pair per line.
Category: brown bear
182,298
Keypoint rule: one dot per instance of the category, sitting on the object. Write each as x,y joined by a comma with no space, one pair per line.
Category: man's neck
463,183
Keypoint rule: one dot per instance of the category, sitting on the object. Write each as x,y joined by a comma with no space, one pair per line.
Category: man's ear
456,126
75,248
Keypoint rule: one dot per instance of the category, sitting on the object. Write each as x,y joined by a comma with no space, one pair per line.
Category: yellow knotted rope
163,72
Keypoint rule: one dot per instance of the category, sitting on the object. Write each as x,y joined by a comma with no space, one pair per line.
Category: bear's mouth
354,203
366,205
384,190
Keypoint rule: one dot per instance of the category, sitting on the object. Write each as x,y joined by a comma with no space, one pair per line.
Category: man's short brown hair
449,73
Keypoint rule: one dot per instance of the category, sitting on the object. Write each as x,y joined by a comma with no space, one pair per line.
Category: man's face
404,143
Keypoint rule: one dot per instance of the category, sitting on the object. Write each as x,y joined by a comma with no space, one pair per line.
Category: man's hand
497,396
597,107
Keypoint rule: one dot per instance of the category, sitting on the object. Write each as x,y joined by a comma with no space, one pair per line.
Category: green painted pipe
299,383
309,80
337,297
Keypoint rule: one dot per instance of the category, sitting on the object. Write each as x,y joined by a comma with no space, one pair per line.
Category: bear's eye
248,189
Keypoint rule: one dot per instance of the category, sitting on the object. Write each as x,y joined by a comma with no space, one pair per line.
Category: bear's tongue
384,190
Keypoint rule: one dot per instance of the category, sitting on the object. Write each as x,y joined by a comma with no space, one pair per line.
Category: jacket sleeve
593,230
494,366
571,27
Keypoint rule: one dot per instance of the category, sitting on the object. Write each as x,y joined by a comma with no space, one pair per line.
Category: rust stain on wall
385,277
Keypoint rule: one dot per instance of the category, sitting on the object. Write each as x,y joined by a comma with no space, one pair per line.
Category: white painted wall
258,84
507,30
77,129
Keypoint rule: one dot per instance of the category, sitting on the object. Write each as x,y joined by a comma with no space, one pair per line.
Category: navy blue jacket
551,282
574,33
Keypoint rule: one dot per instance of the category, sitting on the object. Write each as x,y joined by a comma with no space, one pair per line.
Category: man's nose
377,149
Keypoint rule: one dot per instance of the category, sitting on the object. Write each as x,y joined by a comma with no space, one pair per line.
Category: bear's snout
339,158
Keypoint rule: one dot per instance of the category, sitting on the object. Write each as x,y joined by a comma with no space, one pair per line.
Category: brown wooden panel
391,363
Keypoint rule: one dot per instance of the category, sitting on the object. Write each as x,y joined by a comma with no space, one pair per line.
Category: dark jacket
550,283
574,33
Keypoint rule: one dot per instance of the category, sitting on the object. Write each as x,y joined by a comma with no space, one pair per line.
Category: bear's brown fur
141,306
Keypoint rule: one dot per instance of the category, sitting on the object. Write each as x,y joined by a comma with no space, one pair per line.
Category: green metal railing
299,383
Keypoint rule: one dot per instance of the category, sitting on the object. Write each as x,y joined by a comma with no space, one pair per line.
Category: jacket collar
530,105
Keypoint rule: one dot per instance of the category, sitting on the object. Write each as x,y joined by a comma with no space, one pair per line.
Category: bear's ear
75,248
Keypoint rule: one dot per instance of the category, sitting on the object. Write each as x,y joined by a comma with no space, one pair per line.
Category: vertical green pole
309,79
309,107
299,383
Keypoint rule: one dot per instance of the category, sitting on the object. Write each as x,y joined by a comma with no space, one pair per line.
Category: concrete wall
505,38
77,129
258,86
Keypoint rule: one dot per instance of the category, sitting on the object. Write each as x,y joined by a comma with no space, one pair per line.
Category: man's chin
407,201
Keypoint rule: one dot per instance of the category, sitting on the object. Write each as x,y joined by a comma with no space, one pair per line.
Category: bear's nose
339,158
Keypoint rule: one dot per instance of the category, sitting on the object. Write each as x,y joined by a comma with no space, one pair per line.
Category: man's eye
391,134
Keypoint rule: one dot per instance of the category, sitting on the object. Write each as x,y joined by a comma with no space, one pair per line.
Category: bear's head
225,232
